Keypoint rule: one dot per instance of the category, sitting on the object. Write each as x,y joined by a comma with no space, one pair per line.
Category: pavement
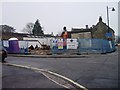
52,56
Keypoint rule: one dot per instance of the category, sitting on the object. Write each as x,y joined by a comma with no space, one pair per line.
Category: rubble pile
39,51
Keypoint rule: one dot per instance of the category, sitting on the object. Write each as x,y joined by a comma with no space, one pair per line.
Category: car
3,54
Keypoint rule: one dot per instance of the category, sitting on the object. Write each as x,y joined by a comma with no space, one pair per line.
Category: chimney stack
86,26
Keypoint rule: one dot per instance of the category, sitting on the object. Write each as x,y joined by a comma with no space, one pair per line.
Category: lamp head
113,9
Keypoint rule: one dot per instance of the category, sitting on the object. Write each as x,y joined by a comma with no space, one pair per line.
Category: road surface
96,71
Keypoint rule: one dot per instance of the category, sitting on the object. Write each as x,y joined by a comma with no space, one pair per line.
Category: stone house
100,30
96,31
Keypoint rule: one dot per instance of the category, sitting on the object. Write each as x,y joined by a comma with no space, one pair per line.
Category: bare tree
7,29
28,28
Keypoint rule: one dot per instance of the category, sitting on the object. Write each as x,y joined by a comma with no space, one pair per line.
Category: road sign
60,43
108,35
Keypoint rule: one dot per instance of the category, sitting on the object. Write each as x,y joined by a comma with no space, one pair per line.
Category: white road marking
50,72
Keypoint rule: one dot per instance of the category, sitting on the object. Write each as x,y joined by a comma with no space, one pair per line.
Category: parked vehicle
3,53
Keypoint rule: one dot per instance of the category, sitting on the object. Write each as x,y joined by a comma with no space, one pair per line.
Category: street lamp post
108,16
108,19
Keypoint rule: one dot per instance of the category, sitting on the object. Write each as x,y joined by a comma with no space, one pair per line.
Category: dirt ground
40,52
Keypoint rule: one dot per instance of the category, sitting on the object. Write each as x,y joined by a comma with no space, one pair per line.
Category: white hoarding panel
72,44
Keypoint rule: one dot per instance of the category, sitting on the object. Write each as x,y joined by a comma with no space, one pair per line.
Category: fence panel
58,46
84,45
96,46
65,46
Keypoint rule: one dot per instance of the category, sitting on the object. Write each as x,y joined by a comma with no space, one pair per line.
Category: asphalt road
96,71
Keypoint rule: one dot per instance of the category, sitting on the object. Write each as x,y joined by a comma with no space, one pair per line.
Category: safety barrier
70,46
96,45
82,46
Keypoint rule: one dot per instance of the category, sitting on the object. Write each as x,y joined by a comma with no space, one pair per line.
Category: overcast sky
54,15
